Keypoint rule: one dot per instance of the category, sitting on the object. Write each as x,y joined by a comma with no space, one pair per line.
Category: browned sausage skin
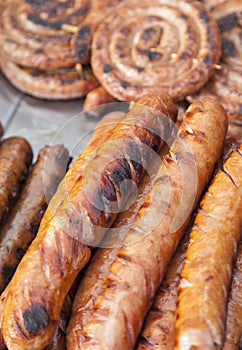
234,313
115,315
97,97
46,272
23,221
207,269
15,160
158,332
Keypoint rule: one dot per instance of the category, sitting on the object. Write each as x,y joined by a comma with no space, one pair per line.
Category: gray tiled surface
43,122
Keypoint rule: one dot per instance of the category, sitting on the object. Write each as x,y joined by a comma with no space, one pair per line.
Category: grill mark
35,319
228,47
227,22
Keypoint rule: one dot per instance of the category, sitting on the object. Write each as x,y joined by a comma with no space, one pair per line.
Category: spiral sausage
114,316
158,45
85,205
39,33
225,84
62,84
207,269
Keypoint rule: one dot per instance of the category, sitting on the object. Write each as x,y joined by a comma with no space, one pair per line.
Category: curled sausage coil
225,84
50,34
43,41
155,45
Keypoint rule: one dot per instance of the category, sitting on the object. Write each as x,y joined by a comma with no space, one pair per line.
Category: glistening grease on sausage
22,224
15,160
207,269
73,220
133,273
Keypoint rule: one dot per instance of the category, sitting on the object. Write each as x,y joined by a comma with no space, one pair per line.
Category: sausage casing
207,269
76,216
22,224
115,315
15,160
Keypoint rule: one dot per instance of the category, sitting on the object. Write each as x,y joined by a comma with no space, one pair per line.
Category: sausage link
115,316
77,215
158,331
23,221
15,160
97,97
108,122
234,314
207,269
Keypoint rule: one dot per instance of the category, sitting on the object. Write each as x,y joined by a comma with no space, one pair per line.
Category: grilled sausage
225,84
234,314
158,331
115,315
79,214
15,160
55,85
108,122
207,269
50,35
23,221
153,46
97,97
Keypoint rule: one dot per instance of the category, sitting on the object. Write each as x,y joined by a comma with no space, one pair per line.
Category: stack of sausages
135,198
118,50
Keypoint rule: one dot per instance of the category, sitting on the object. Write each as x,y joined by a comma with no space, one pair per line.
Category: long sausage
115,316
108,122
207,270
23,221
85,205
15,160
158,331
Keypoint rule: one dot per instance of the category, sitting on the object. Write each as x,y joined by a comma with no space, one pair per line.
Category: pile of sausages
161,205
119,50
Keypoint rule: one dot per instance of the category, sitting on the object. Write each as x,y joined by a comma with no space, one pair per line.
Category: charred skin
60,249
207,270
234,313
113,318
22,224
108,122
15,160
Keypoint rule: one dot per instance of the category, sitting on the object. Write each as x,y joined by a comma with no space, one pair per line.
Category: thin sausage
158,332
234,312
22,224
114,319
207,270
85,205
15,160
